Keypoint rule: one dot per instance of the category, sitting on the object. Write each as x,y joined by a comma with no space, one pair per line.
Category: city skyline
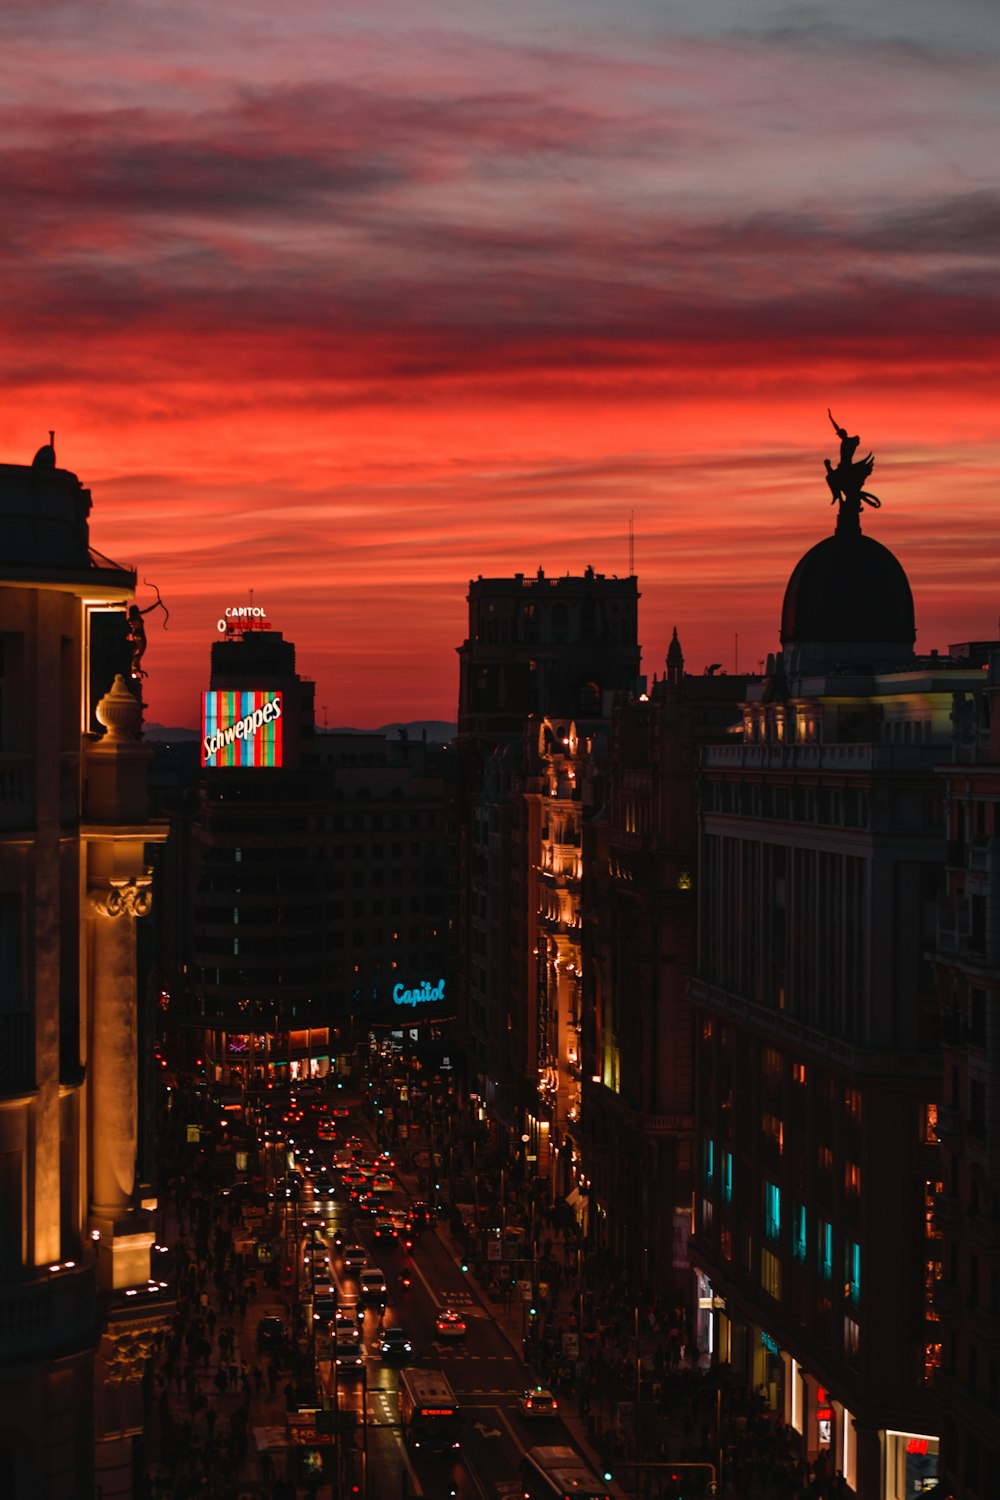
349,309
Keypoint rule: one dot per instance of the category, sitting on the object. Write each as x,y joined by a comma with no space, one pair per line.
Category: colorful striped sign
241,729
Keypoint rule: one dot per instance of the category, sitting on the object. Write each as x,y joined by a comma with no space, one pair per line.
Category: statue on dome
847,480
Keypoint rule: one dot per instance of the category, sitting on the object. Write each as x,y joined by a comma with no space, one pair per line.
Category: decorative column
117,830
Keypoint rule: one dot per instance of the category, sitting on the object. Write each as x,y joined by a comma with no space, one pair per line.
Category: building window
852,1340
825,1246
770,1274
772,1211
852,1179
709,1162
799,1238
727,1177
852,1271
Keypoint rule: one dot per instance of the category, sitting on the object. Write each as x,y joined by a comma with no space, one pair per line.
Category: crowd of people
209,1382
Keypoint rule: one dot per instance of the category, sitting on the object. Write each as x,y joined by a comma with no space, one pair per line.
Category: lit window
852,1271
852,1339
799,1237
727,1177
770,1274
825,1250
709,1161
772,1211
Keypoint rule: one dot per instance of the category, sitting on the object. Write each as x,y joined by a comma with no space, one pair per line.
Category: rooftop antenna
631,544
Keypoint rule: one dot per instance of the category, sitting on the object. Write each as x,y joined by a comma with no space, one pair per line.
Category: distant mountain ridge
439,731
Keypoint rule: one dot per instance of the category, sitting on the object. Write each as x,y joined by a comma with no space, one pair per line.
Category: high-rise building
77,1309
321,905
967,1204
638,936
538,670
816,1030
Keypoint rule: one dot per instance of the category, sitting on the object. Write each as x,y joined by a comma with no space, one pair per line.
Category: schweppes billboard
241,729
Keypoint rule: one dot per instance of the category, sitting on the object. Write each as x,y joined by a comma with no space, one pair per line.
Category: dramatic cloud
348,307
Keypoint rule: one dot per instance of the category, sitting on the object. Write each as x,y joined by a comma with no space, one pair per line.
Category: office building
78,1312
817,1055
966,1208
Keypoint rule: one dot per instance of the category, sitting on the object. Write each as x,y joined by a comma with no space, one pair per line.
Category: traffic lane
495,1436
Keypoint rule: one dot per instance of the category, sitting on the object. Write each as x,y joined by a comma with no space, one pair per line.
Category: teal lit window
772,1211
727,1177
799,1233
826,1250
709,1161
852,1271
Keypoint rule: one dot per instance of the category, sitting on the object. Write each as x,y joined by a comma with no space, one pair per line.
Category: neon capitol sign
421,996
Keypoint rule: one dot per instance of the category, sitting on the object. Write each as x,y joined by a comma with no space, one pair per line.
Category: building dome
848,603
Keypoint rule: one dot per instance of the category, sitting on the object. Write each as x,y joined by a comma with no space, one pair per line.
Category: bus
559,1473
428,1411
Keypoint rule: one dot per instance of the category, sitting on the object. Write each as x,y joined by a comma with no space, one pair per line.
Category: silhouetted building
638,910
967,1205
542,659
816,1024
321,905
77,1311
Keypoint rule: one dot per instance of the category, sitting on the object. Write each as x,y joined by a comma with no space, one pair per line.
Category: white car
537,1402
374,1286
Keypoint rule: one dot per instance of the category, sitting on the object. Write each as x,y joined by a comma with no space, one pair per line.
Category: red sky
349,305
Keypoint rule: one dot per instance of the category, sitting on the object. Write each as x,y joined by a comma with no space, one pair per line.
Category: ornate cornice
132,897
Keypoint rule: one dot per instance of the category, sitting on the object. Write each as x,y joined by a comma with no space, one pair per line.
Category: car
450,1324
538,1402
395,1344
323,1188
384,1182
271,1332
350,1317
348,1355
313,1221
353,1256
324,1307
374,1286
384,1229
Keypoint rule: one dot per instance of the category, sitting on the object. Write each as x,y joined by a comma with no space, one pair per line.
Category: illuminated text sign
241,729
239,617
427,991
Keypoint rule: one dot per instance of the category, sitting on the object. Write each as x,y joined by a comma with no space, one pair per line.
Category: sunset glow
346,306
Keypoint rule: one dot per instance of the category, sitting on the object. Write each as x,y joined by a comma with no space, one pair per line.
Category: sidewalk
218,1410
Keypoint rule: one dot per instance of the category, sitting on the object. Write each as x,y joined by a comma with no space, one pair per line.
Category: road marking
487,1433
